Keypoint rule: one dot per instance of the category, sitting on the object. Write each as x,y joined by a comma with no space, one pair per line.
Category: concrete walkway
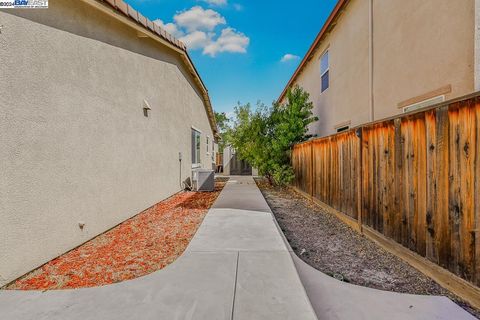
238,266
333,300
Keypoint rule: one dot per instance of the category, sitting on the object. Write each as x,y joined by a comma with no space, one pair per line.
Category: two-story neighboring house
102,115
378,58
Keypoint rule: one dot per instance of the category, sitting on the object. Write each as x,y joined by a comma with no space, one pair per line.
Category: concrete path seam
235,286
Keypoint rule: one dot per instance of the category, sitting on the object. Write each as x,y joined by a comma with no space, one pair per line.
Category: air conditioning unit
203,180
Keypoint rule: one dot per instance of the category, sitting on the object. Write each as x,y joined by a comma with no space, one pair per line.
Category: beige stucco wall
75,145
423,46
418,46
347,97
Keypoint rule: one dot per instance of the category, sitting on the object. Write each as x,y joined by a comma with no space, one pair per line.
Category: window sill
196,166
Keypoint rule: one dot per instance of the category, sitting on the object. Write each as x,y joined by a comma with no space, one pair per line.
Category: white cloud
196,40
216,2
238,7
170,28
196,28
289,57
230,40
198,18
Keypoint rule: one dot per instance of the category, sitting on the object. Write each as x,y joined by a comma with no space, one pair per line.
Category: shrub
265,137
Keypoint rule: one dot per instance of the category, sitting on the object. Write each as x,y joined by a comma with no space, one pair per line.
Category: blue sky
238,45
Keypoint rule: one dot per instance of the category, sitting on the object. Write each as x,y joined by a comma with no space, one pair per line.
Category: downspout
476,71
370,57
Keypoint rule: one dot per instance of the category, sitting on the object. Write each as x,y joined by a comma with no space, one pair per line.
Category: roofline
206,96
124,13
326,28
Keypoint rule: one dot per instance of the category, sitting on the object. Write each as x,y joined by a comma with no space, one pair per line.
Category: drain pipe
180,156
477,47
371,57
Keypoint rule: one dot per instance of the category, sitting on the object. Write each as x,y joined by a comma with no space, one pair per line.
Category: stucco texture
423,46
75,144
347,97
419,46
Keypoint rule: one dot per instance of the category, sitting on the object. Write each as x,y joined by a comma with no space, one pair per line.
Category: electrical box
204,180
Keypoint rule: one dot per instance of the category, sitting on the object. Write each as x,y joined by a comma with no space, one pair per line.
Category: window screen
195,146
325,71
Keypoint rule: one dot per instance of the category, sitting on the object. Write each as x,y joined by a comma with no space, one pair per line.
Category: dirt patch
143,244
329,245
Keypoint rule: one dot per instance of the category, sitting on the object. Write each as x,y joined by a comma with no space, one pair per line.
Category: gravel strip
329,245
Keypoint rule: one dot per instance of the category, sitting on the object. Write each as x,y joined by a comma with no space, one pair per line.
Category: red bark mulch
143,244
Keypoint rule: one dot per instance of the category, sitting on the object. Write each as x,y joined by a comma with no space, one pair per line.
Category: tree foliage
264,137
222,121
223,124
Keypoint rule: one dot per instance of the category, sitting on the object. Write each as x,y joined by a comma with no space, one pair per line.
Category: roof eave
325,29
141,24
206,96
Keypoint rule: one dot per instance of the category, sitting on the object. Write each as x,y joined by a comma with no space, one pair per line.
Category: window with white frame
214,152
325,71
196,135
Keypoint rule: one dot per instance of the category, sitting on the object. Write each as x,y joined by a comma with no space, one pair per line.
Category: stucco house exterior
378,58
233,165
102,115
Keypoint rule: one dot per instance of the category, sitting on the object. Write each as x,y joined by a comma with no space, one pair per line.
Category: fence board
335,164
415,179
454,197
467,173
432,202
476,232
441,215
399,229
390,178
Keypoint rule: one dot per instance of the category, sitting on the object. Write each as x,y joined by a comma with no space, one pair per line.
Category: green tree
223,124
265,137
222,121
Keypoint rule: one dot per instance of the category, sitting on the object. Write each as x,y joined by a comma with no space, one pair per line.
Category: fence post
360,184
312,175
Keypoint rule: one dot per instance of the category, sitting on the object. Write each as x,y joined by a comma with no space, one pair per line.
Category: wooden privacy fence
415,179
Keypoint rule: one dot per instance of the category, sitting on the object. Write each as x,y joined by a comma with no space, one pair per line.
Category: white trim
196,165
325,52
425,103
208,143
196,129
199,160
